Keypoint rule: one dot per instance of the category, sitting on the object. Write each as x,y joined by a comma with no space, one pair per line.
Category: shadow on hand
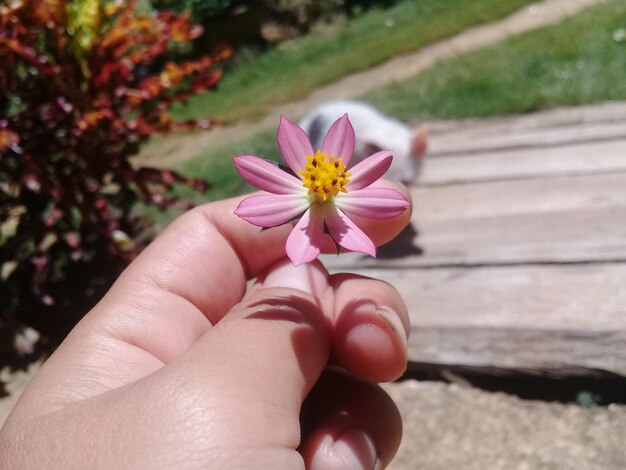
314,330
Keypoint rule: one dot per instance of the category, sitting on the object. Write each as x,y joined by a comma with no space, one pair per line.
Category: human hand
179,366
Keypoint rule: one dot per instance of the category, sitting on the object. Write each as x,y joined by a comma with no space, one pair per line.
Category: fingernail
366,307
389,316
356,447
395,323
309,277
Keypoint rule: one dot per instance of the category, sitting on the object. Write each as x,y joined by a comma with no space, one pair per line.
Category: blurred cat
374,131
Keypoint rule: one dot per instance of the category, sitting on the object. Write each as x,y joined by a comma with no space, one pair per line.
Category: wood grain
512,163
487,139
557,319
534,352
590,297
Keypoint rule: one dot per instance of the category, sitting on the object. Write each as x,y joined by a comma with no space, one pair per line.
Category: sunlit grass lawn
215,165
576,61
295,68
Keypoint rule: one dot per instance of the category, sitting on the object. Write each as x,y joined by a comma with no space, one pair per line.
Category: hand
179,367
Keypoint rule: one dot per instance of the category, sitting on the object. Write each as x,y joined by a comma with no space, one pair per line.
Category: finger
370,327
370,323
349,423
211,242
198,267
203,260
383,231
379,231
257,365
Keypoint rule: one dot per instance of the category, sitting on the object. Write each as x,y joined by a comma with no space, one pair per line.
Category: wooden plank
551,220
503,351
521,197
592,157
548,298
565,237
480,140
601,113
550,318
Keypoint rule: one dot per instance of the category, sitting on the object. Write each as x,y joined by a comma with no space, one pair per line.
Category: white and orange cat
373,132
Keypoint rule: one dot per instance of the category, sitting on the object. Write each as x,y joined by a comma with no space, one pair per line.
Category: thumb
259,362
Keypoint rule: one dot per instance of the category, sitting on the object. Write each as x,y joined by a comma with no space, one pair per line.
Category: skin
180,366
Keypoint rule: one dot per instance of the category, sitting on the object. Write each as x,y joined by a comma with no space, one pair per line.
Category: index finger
210,243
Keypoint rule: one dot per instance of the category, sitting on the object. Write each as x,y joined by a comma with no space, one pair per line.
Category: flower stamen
324,176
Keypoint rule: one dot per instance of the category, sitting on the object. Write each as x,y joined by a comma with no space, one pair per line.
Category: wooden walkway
516,261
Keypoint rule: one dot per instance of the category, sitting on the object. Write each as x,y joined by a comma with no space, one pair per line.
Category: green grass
574,62
295,68
216,166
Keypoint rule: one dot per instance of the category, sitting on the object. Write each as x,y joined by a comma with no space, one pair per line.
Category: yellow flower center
324,176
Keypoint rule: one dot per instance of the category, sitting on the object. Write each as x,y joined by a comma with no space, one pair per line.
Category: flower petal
373,203
339,141
266,176
269,210
294,144
369,170
345,233
305,240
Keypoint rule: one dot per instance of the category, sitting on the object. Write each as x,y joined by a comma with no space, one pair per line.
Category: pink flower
317,189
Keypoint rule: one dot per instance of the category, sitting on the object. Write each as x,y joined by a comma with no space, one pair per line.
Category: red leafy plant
82,84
